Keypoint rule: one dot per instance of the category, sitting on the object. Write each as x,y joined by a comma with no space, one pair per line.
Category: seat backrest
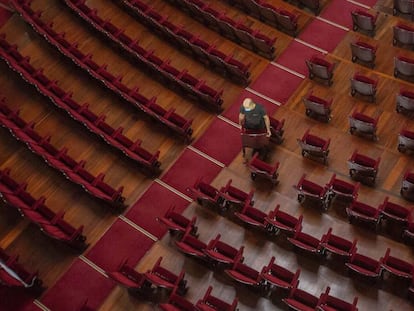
364,160
287,20
286,218
261,165
403,33
339,242
363,51
404,6
246,270
281,273
165,274
255,214
364,209
364,84
226,249
397,263
339,304
404,65
395,209
364,19
207,189
193,241
366,262
307,239
305,298
343,186
312,187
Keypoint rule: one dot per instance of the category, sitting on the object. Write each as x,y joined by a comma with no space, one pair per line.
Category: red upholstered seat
175,222
244,274
365,266
396,266
263,169
407,93
279,220
278,276
328,302
159,276
213,303
191,245
252,217
301,300
127,277
205,194
312,192
338,245
219,252
321,68
235,196
395,212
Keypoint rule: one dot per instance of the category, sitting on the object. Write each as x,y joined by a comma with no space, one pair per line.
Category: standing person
253,116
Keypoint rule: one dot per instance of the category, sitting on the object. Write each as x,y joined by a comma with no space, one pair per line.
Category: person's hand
269,133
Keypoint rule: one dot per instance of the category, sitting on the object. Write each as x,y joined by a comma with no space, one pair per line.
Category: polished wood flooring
52,260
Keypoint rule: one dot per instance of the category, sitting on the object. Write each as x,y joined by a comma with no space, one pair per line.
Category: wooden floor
52,260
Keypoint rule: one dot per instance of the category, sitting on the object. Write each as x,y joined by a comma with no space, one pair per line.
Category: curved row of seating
49,222
336,191
279,221
208,302
13,274
233,30
59,159
180,81
403,35
158,277
361,167
266,12
279,18
220,255
188,42
80,113
392,214
21,64
170,118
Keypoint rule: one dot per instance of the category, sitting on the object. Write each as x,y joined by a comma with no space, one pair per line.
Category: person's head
248,104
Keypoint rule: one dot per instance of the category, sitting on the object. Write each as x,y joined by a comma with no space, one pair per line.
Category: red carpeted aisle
317,32
121,242
339,12
276,83
32,307
16,299
220,141
79,284
189,167
294,56
152,204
